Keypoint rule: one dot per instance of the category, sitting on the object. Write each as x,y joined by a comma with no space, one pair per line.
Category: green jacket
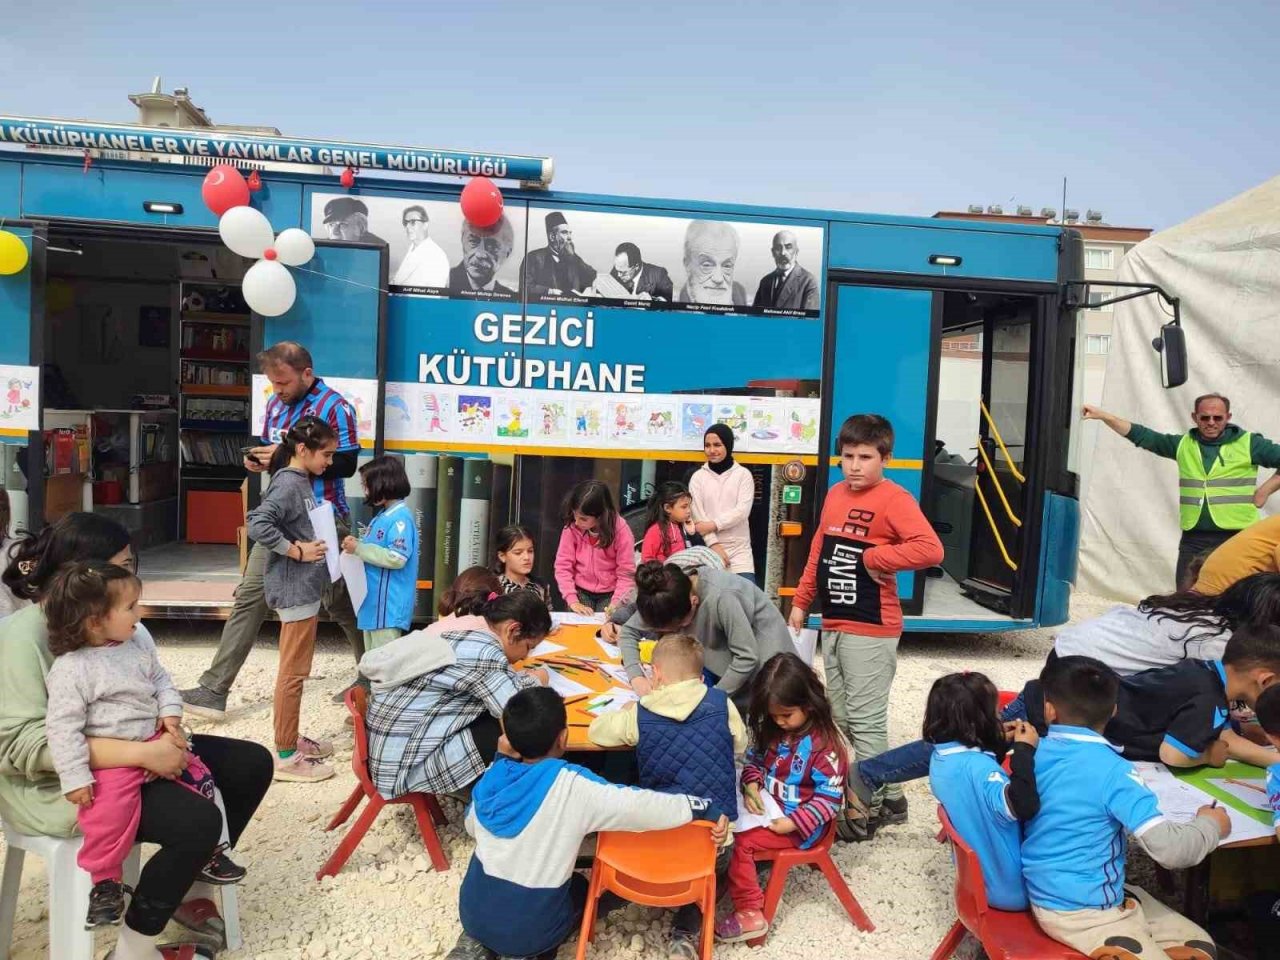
30,794
1265,453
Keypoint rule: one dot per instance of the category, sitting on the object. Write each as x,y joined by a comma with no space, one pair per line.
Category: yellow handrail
995,432
982,451
991,521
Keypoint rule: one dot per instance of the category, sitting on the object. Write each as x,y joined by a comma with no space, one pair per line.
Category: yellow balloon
13,253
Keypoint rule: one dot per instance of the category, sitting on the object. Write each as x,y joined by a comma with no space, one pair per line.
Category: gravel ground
388,902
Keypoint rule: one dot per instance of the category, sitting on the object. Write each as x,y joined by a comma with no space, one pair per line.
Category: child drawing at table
1268,713
986,805
390,554
514,563
686,736
669,522
796,754
595,561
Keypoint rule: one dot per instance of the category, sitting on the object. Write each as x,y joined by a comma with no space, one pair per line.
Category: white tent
1224,265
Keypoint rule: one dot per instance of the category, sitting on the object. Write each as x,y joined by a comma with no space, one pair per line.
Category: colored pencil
1243,783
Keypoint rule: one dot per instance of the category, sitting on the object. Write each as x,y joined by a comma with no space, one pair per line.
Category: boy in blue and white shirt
390,554
1267,710
529,814
1073,855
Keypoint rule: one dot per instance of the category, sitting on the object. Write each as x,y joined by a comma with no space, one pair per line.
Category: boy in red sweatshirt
871,529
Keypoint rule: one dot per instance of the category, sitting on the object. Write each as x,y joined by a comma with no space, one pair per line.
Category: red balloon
254,182
224,187
481,202
348,178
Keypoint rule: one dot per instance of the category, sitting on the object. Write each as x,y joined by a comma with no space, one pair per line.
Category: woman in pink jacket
596,559
722,495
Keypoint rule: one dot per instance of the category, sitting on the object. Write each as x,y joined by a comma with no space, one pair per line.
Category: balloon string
354,283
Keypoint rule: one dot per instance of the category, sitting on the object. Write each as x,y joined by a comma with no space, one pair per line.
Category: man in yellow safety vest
1217,472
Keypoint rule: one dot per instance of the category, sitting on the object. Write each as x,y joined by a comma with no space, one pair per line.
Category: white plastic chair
69,888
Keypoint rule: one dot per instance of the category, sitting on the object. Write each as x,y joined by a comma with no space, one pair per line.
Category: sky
1152,111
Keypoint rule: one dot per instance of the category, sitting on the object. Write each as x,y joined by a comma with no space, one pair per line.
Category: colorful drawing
435,412
803,428
661,424
627,419
397,408
588,420
553,417
513,419
764,425
19,408
694,420
475,415
733,416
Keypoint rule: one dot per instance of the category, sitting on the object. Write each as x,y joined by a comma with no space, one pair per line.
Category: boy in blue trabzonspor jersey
1073,854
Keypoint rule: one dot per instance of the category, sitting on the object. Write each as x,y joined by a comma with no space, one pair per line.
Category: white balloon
294,247
246,231
268,288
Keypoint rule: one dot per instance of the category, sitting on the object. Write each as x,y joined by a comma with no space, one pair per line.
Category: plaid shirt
418,736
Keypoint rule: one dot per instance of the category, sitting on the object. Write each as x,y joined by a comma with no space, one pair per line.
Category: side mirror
1172,347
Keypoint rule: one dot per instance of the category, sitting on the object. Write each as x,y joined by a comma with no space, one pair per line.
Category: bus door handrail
995,432
991,522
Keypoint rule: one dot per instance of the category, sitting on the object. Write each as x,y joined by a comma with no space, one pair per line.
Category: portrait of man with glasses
425,264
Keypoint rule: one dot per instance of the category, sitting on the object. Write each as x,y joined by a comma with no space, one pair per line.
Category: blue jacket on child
693,755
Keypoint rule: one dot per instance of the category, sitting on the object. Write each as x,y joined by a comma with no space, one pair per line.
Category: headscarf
726,437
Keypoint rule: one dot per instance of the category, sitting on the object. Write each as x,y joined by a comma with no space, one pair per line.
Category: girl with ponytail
295,582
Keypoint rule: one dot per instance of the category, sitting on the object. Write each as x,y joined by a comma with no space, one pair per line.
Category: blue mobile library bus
580,336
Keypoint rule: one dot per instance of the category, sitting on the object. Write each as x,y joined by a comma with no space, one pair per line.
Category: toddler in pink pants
107,682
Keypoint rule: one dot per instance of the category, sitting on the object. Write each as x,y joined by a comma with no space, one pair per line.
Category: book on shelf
448,516
473,513
422,502
211,449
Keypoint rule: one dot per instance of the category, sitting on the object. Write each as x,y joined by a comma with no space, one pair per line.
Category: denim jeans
911,760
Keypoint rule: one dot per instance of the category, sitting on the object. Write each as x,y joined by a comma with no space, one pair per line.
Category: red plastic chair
1005,935
817,857
425,806
660,868
1005,697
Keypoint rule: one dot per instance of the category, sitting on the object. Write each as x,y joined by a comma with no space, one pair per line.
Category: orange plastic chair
817,857
1005,934
660,868
425,806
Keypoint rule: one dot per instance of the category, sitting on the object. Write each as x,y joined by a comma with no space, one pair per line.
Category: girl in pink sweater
596,560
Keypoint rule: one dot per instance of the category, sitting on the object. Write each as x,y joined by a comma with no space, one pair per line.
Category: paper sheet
806,642
564,685
1255,795
610,649
352,568
747,820
326,529
1179,802
546,648
617,672
577,620
611,700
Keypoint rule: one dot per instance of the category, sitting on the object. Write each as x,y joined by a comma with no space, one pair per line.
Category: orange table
580,641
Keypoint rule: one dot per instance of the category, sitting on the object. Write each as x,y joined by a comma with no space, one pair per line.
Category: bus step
990,595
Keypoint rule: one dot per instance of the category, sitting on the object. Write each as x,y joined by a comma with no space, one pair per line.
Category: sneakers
682,947
221,871
203,702
469,948
893,811
106,904
315,749
299,768
851,828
